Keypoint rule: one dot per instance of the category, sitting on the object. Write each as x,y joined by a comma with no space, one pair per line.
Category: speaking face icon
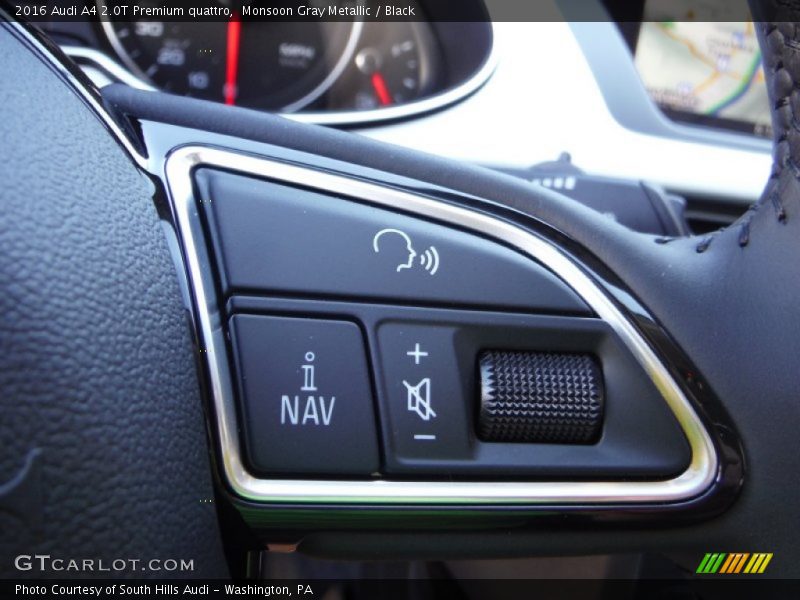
398,244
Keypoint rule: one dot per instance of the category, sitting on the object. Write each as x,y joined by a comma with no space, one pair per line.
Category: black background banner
391,10
705,588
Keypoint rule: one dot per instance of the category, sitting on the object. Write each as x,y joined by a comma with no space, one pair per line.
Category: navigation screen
704,73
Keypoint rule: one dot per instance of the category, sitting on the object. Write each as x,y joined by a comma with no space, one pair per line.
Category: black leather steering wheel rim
105,452
728,300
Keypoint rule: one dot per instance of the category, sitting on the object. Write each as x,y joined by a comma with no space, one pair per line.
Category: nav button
305,396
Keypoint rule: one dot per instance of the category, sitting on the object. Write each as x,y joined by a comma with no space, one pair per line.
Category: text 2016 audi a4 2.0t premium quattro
465,299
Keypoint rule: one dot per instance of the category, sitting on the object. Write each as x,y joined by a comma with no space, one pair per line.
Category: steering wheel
110,445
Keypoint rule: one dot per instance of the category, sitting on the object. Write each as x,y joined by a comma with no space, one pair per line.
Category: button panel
275,238
361,294
425,365
305,396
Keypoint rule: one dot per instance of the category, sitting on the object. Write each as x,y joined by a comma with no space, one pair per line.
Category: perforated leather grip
539,397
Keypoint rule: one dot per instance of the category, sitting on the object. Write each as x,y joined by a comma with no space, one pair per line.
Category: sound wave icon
429,260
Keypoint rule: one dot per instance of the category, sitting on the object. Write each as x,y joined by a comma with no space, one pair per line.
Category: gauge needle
232,58
381,89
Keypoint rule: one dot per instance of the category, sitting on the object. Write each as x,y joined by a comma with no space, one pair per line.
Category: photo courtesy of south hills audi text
126,590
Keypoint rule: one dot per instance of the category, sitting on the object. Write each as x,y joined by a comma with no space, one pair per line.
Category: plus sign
416,354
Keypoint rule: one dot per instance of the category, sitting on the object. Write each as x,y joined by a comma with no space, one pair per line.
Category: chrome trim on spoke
695,480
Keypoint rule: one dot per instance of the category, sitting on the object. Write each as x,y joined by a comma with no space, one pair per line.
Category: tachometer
395,63
265,65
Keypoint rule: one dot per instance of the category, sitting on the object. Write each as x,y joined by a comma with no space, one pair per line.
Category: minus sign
420,436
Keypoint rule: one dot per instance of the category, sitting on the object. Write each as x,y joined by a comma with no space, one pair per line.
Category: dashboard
343,71
606,92
283,66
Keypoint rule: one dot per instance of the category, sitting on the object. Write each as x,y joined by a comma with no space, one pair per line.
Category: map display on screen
705,72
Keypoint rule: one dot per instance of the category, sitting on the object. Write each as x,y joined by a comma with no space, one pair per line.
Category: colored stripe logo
734,563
